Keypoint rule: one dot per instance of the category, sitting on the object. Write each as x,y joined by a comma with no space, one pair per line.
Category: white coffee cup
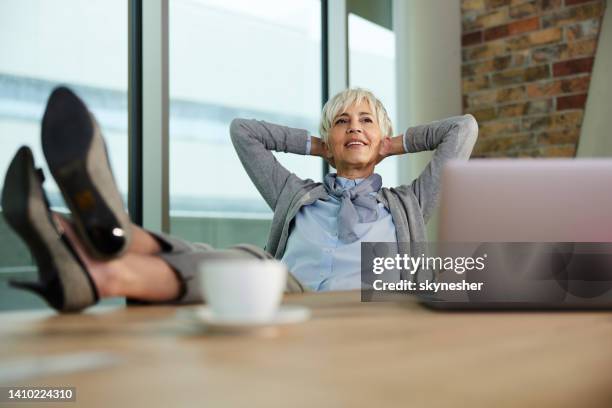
243,290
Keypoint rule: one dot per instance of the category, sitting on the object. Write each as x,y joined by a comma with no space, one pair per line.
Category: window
372,66
44,44
228,59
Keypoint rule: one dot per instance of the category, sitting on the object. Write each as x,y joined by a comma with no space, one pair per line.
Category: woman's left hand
390,146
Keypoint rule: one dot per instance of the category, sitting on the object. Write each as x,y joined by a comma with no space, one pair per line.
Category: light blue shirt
315,255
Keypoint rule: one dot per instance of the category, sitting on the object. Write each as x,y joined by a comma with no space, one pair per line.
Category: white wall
596,136
428,41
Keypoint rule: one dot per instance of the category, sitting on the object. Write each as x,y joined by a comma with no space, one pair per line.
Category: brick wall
526,71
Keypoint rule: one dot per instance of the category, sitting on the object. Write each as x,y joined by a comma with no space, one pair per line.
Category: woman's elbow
470,128
237,128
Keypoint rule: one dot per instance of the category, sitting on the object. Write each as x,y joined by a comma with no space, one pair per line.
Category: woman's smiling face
354,137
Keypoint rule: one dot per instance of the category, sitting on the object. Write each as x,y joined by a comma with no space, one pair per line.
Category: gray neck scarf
356,204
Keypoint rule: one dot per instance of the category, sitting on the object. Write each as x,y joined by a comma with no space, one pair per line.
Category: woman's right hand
319,148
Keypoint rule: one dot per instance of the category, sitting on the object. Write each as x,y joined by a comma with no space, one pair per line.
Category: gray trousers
184,258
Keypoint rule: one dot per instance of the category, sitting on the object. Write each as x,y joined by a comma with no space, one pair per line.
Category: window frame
148,113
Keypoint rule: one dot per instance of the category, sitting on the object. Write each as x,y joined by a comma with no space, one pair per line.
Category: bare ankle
110,278
143,242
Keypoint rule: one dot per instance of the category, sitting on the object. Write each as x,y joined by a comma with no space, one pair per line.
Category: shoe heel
96,219
49,291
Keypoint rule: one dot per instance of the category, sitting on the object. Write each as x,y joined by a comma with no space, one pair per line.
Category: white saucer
287,314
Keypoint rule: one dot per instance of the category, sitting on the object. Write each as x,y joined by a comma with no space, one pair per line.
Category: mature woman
316,229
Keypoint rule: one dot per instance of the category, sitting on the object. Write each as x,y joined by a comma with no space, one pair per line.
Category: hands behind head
319,148
326,154
389,146
386,149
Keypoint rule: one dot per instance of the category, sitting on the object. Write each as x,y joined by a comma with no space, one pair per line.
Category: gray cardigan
410,205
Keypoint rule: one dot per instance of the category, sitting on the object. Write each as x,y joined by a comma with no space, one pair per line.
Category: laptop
548,222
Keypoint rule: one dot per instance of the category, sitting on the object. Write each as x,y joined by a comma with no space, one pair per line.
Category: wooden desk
349,354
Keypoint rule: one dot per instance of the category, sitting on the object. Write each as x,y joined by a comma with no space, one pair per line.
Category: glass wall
82,44
372,66
236,58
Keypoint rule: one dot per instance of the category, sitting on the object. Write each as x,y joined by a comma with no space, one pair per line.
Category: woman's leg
147,271
138,273
142,242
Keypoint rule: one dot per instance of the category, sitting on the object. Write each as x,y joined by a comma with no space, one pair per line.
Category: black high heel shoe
63,279
78,160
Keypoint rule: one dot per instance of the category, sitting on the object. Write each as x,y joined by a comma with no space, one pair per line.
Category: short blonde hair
352,96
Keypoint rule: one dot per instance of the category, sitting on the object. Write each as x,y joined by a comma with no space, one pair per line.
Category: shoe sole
26,211
78,160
